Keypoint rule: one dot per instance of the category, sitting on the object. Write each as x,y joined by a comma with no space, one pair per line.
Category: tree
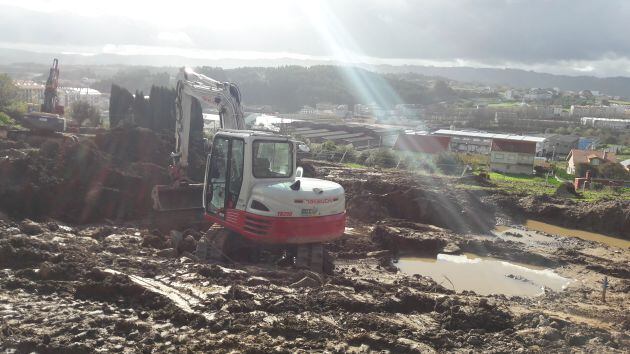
83,110
120,101
140,110
8,91
442,91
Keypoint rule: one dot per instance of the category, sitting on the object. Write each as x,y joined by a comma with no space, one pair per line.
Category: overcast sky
558,36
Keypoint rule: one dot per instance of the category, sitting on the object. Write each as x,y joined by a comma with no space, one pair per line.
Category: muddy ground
113,284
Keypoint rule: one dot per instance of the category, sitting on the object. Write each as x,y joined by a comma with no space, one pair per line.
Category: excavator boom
181,201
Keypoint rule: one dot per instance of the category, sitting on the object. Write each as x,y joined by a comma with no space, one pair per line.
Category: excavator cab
253,187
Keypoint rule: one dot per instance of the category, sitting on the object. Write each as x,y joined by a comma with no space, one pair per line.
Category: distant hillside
615,86
11,56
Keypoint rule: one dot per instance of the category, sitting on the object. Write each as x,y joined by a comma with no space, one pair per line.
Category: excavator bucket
177,208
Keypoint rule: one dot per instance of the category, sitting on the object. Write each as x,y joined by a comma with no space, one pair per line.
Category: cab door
224,175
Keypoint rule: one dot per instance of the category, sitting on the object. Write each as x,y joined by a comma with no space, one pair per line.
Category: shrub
5,119
382,157
449,163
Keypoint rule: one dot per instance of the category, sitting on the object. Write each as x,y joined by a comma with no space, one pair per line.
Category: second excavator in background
50,118
253,189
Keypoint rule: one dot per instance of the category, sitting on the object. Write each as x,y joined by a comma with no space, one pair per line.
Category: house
428,144
626,164
580,161
512,156
559,145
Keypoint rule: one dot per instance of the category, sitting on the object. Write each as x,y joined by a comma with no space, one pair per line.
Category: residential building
69,95
558,145
612,123
626,164
588,143
481,142
538,95
611,111
428,144
307,110
30,92
580,161
512,156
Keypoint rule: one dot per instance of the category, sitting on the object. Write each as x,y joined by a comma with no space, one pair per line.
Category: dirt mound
403,198
566,190
85,181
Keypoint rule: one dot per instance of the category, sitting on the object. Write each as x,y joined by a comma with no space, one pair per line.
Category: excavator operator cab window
225,175
272,159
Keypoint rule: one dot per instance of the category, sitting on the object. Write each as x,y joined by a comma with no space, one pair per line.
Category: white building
481,142
30,92
307,110
612,123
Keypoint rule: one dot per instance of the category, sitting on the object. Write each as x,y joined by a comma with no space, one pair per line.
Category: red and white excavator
252,186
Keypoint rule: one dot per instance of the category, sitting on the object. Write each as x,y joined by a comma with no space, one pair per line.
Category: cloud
525,33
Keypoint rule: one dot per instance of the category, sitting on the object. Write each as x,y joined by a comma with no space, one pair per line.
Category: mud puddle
484,276
585,235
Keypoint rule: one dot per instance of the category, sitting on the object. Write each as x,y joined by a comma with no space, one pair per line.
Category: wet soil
120,286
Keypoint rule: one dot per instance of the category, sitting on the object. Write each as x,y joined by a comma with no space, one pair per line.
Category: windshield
272,159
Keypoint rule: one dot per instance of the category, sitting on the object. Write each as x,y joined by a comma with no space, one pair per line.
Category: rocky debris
167,253
400,237
65,292
30,227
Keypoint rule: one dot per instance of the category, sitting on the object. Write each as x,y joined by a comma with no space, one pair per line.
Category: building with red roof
428,144
580,161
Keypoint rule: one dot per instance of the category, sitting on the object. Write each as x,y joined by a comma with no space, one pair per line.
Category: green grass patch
504,104
606,193
524,184
536,185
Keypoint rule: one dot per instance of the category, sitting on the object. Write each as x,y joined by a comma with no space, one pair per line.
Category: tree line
157,112
288,88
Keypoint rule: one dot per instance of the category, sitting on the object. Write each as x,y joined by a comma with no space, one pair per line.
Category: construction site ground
82,269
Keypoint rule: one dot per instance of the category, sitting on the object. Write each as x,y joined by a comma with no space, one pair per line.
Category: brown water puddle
585,235
484,275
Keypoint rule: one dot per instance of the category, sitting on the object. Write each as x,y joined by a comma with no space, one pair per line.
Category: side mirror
299,172
303,147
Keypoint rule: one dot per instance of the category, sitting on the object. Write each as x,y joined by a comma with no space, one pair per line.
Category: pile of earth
109,176
375,195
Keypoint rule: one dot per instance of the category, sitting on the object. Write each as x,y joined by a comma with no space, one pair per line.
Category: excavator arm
225,96
181,202
50,93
